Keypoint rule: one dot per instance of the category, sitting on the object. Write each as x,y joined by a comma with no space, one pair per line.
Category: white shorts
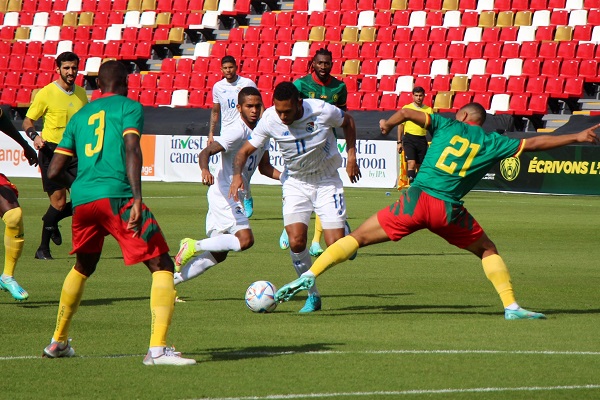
224,214
326,199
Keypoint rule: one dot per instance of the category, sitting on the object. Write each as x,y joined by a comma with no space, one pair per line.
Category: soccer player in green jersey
319,85
461,153
107,200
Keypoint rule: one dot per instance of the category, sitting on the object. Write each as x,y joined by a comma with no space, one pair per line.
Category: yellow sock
162,301
497,273
318,230
13,239
70,297
338,252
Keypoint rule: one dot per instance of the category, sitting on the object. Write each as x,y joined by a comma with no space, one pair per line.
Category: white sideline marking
328,352
407,392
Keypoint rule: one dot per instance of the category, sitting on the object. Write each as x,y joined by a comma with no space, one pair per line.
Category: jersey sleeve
505,146
438,122
343,97
133,118
332,115
260,134
228,138
39,105
215,94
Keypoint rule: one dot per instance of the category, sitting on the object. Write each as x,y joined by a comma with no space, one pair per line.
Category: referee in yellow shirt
56,102
412,138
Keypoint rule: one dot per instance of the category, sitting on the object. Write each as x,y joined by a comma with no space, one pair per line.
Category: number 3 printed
99,131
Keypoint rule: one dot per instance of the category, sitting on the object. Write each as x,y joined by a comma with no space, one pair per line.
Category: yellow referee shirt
57,107
410,127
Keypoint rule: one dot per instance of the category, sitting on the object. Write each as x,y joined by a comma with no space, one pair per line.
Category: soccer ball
260,297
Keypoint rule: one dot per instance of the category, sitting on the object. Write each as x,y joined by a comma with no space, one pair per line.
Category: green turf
409,319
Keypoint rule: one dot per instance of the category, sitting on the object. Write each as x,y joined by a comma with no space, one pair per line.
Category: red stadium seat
535,85
548,50
354,100
197,81
497,84
479,83
461,99
531,67
516,84
555,87
485,99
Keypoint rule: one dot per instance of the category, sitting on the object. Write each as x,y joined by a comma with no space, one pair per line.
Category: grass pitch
414,319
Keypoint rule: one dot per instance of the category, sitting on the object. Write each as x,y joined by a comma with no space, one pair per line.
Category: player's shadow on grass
234,354
84,302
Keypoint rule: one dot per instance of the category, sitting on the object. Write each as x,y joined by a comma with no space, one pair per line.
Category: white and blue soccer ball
260,297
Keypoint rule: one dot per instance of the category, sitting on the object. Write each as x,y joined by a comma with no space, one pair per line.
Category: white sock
302,263
513,307
219,243
157,351
195,267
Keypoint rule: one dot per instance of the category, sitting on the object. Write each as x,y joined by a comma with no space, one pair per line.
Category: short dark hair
228,59
323,52
476,110
286,91
418,89
246,92
112,74
67,56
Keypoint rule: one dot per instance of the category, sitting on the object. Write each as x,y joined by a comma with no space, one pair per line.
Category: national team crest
311,95
310,127
509,168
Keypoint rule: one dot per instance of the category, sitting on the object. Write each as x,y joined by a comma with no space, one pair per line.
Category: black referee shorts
415,147
45,155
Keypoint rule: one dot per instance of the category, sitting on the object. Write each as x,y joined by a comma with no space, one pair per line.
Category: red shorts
93,221
5,182
417,210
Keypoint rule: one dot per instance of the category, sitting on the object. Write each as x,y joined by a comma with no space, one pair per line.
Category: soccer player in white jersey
311,182
227,226
225,97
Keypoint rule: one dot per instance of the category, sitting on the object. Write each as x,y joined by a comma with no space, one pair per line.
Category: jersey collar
319,81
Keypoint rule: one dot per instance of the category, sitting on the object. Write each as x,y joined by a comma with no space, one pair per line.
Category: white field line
407,392
366,352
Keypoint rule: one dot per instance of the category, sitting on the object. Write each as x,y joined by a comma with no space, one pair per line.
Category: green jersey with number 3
459,156
96,136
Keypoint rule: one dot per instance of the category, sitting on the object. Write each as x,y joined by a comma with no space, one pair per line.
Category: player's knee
13,218
246,242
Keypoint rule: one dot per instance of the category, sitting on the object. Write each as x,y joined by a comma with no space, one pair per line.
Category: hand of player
38,142
207,178
135,218
384,127
588,135
399,148
353,170
237,184
31,155
210,140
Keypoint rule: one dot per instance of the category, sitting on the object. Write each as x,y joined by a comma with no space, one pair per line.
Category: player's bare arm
266,168
546,142
29,129
215,114
213,148
418,117
133,161
241,157
352,168
55,169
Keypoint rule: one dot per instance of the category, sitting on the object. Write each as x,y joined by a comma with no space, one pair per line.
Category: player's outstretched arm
546,142
238,165
213,148
9,129
352,168
267,169
133,164
418,117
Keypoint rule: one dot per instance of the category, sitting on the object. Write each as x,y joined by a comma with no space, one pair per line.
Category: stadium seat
388,102
512,67
479,84
459,83
569,68
484,99
535,85
531,67
181,81
555,87
442,101
459,100
354,101
516,84
573,87
441,83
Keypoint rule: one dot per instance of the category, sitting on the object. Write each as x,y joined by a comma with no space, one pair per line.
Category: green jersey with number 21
459,156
